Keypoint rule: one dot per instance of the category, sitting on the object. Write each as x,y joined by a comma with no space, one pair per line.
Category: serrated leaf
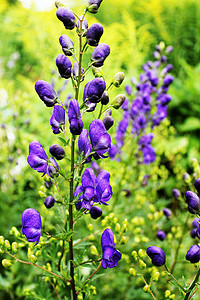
63,141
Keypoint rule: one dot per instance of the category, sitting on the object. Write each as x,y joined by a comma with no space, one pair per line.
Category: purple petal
107,238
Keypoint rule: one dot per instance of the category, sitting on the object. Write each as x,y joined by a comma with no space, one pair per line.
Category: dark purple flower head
146,139
193,233
105,98
84,145
197,185
176,193
128,89
74,116
149,155
110,255
125,105
103,188
93,6
193,202
52,169
48,184
168,80
161,235
57,151
88,185
76,70
66,44
37,158
46,92
94,90
64,66
57,119
66,15
157,256
193,254
49,202
108,122
99,54
95,212
100,139
167,212
196,222
94,34
31,225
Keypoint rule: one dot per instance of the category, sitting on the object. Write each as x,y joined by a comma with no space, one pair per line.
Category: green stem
192,285
100,112
170,274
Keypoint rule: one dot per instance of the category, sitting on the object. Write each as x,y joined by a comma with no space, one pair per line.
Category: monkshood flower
100,139
46,92
64,66
49,202
193,233
108,122
95,212
161,235
105,98
84,145
128,89
103,188
94,34
157,256
95,167
168,80
193,202
52,169
193,254
176,193
94,6
99,54
76,70
57,151
94,89
57,119
37,158
66,15
113,151
196,222
66,44
31,225
74,116
167,212
48,184
197,185
110,255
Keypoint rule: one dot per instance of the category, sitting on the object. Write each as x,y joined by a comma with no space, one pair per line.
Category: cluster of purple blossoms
147,106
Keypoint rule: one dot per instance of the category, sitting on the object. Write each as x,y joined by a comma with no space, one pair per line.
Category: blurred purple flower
110,255
197,185
31,225
94,6
99,54
52,169
66,15
46,92
161,235
167,212
49,202
64,66
193,202
95,212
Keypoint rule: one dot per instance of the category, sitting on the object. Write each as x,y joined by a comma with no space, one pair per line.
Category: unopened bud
142,264
6,263
7,244
134,254
146,288
33,258
117,227
141,253
118,79
132,271
1,240
167,293
14,247
59,3
105,98
118,101
97,72
93,250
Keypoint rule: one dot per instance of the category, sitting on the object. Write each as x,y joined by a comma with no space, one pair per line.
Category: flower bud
6,263
99,54
46,92
94,6
94,34
104,98
132,271
33,258
1,240
66,15
141,253
193,202
97,72
134,254
48,184
197,185
117,228
93,250
49,202
193,254
57,151
142,264
108,122
167,293
176,193
118,101
167,212
14,247
66,44
146,288
118,79
157,255
155,276
7,244
59,3
161,235
64,66
95,212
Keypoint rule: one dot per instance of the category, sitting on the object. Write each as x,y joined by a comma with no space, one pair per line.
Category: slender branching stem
150,291
192,285
170,274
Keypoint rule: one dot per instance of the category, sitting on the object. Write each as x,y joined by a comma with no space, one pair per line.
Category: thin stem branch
193,293
150,291
192,285
89,277
170,274
55,290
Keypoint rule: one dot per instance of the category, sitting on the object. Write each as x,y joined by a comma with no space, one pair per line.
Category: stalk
192,285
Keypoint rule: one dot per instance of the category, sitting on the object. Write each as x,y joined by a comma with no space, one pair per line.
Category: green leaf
63,141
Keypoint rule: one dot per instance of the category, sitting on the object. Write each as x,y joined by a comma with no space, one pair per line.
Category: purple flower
76,70
193,202
49,202
157,256
113,151
64,66
57,151
31,225
48,184
100,139
167,212
57,119
128,89
88,185
94,34
95,167
74,116
46,92
110,255
66,16
105,98
67,45
37,158
94,90
168,80
84,145
99,54
108,122
196,222
149,155
197,185
193,233
161,235
95,212
52,169
193,254
94,6
176,193
103,188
